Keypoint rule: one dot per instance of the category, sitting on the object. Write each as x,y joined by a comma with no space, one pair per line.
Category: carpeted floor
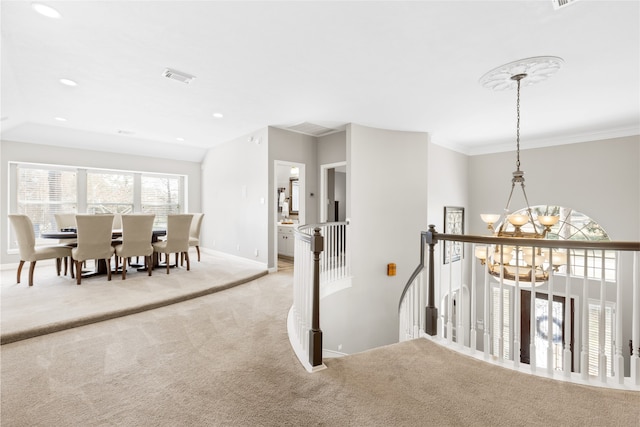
57,303
224,360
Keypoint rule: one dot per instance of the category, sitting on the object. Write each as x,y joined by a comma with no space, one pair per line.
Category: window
43,192
160,196
506,321
574,225
594,334
40,191
109,192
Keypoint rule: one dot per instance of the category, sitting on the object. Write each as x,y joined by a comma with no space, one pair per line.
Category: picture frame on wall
453,224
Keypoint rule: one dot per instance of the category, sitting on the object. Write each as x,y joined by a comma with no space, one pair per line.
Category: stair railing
320,257
460,296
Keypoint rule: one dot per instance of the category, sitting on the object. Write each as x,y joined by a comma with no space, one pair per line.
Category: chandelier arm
506,208
535,228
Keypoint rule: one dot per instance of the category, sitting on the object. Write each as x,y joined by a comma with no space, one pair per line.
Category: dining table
101,265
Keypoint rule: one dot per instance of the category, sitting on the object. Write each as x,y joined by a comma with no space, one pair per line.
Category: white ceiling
398,65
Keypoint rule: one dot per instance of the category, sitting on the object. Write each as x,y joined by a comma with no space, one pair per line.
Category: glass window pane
109,192
42,193
160,195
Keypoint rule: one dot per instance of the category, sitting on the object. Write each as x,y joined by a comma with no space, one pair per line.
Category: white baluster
584,354
450,299
487,302
532,315
602,359
635,328
550,369
500,313
567,320
619,360
473,337
460,310
516,314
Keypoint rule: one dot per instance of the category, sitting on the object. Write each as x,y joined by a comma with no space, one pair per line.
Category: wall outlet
256,252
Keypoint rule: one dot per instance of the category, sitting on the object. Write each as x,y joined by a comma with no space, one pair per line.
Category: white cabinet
285,241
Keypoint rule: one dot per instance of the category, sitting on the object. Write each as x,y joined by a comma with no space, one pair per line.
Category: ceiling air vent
178,75
558,4
311,129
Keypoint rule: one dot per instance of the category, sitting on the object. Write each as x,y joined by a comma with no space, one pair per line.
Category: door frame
324,178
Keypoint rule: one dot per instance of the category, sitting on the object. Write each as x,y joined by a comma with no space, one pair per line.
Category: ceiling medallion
536,69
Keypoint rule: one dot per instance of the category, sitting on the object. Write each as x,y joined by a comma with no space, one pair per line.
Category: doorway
333,192
289,206
542,329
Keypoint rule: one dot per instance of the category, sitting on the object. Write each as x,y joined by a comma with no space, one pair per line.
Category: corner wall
387,207
235,197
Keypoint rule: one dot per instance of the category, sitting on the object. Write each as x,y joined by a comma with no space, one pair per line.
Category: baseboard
220,253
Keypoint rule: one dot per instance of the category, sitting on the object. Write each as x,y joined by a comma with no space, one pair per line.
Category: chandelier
513,263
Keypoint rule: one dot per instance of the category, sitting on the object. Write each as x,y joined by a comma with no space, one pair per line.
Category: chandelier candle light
527,264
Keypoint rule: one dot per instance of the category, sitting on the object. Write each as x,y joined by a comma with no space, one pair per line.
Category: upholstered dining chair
194,232
137,231
94,242
66,220
26,237
177,240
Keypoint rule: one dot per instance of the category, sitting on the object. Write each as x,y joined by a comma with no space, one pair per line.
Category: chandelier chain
518,127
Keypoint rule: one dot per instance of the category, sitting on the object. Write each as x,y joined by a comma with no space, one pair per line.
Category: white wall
387,205
332,148
448,183
235,195
287,146
600,179
46,154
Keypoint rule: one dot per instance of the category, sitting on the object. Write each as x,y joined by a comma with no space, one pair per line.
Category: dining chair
194,232
137,231
65,221
26,237
177,241
117,221
94,242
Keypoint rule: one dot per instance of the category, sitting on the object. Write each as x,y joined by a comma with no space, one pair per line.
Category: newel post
431,326
315,333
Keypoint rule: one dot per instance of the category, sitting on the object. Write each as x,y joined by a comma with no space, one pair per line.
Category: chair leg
66,265
78,272
186,256
108,262
20,270
149,261
58,265
198,250
32,267
167,259
124,267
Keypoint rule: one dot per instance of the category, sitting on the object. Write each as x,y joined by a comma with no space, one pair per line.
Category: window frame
81,188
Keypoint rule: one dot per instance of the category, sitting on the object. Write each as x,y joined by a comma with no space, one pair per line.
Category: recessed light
180,139
61,119
45,10
218,115
68,82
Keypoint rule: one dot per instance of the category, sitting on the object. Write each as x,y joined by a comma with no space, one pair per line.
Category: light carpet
57,303
224,360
